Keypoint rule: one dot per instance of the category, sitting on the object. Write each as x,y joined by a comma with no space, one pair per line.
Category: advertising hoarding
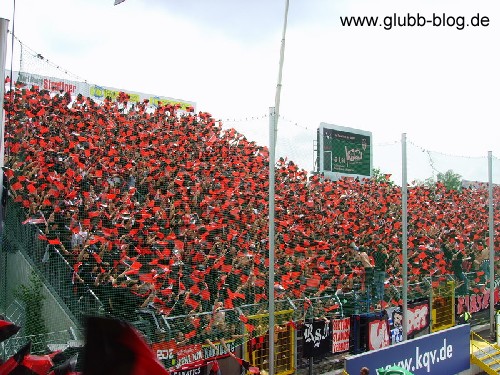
444,352
96,92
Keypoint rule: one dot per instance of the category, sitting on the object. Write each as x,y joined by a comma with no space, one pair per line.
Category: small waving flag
35,365
7,329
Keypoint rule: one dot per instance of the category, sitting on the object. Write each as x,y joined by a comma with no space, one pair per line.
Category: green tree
32,297
380,177
429,182
450,179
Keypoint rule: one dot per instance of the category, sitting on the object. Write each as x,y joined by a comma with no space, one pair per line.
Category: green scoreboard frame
344,152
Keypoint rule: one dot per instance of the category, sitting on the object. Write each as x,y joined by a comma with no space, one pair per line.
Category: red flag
36,364
205,295
13,362
190,335
31,188
97,258
114,347
16,186
192,303
7,329
215,369
68,367
250,327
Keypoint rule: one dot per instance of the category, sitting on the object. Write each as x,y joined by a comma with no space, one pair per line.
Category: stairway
484,354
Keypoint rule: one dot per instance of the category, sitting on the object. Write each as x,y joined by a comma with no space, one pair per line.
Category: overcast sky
439,85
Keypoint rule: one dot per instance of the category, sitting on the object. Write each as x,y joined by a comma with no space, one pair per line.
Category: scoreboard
343,152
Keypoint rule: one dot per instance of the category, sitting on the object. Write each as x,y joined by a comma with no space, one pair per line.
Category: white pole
404,240
4,25
273,128
272,156
492,245
280,71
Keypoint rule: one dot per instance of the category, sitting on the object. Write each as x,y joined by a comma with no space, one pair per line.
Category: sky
438,85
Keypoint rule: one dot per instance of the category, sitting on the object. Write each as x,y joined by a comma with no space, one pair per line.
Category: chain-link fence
159,217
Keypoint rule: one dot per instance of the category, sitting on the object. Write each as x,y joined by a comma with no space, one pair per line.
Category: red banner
340,338
476,302
378,334
166,352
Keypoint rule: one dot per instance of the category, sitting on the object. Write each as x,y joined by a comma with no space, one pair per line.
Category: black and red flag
7,329
215,369
68,367
114,347
14,362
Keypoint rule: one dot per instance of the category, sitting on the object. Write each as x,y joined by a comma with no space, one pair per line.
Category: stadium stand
161,217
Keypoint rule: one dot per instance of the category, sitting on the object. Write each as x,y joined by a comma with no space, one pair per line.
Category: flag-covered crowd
163,209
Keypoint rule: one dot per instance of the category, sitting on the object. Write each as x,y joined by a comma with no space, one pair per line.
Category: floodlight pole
491,244
273,128
404,240
271,309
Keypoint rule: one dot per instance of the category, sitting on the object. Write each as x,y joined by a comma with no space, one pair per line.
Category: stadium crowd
166,210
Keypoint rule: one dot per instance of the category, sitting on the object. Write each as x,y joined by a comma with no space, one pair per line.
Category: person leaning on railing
465,317
380,257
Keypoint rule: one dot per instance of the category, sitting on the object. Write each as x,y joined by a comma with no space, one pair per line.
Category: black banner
317,338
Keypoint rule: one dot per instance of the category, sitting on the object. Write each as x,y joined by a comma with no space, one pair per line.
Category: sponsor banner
190,357
160,100
165,352
476,302
192,371
51,83
418,319
378,333
443,352
317,338
418,316
96,92
210,353
189,354
101,93
395,324
341,331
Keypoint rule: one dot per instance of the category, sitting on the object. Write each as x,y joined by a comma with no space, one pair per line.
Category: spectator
360,254
462,286
381,258
465,317
482,260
